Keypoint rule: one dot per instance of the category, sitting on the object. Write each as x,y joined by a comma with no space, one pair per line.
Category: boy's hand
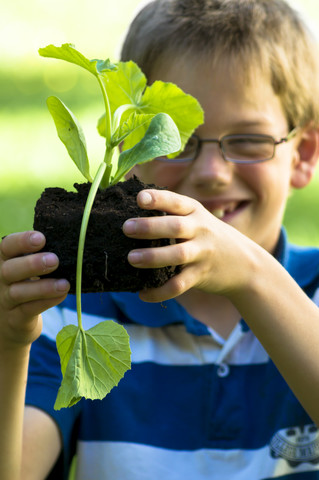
23,296
208,249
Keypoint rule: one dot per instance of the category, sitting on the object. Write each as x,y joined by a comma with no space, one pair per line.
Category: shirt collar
302,263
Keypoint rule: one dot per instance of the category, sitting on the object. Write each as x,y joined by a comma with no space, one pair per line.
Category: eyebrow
250,123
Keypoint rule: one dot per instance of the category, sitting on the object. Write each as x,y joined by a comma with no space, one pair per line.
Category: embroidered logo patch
296,445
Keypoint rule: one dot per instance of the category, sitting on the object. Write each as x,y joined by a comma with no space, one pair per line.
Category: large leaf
71,134
69,53
92,361
127,86
161,138
184,109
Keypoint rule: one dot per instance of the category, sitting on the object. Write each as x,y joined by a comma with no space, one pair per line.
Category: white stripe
173,345
125,461
169,345
56,318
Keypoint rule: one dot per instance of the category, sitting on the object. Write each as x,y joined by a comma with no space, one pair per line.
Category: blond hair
267,34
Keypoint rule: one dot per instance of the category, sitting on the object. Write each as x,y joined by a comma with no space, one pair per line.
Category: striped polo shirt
193,406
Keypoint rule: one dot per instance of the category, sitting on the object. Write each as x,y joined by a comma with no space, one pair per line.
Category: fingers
194,230
18,244
158,257
23,295
36,307
173,225
174,287
166,201
36,291
20,260
28,266
20,267
158,227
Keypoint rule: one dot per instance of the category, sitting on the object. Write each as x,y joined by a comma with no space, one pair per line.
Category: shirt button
223,370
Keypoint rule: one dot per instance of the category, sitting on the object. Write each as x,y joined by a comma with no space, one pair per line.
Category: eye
190,149
248,147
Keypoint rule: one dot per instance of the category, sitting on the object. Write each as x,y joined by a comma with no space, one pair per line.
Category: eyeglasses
250,148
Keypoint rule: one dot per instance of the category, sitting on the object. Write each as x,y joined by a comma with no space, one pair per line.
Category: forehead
228,91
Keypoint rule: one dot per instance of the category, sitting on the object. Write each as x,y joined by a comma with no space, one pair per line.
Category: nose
210,168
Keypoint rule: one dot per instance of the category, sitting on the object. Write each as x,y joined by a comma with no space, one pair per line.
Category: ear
306,157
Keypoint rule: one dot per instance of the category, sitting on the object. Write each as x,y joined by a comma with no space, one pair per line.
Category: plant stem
105,181
85,220
108,113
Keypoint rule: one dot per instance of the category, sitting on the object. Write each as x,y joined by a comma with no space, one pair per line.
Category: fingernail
36,239
145,198
135,257
50,260
62,285
129,227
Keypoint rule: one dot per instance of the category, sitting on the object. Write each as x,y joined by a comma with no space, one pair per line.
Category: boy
204,398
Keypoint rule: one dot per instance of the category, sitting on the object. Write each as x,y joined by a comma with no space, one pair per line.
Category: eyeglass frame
220,141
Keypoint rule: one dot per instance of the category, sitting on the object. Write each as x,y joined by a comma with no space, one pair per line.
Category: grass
32,158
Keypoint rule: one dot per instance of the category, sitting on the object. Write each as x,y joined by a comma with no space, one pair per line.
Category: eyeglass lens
239,148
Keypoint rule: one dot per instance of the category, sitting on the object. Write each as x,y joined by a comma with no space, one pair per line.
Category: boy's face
250,197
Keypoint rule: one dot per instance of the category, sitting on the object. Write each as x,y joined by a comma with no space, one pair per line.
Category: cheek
269,182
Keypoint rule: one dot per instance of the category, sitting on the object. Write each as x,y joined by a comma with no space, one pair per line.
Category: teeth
218,212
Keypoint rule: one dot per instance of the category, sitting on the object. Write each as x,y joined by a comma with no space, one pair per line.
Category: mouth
227,211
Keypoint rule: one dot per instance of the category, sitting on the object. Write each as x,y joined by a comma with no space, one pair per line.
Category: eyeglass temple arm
290,135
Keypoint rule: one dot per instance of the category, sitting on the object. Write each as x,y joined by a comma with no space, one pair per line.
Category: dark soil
58,216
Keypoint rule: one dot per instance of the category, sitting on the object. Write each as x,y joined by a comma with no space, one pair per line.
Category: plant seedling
148,122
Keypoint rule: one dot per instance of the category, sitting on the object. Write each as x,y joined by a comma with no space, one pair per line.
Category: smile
227,211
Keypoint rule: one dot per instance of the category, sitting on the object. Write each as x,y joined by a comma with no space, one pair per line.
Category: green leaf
184,109
161,138
71,134
127,86
92,361
133,123
69,53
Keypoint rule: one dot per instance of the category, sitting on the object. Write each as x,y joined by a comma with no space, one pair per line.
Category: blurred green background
31,155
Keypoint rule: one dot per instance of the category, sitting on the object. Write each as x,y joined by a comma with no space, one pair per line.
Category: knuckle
150,256
34,265
178,285
4,272
182,255
145,226
31,263
178,227
12,294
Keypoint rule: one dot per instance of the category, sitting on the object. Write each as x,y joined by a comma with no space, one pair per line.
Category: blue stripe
297,476
128,308
189,408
